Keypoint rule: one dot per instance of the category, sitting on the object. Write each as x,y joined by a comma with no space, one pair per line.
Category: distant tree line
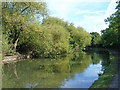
96,39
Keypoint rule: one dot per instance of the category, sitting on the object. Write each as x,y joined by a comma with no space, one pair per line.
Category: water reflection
15,71
31,86
78,70
84,79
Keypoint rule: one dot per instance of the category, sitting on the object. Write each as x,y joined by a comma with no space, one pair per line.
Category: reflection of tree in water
11,67
105,57
95,58
98,55
15,71
80,63
106,60
47,72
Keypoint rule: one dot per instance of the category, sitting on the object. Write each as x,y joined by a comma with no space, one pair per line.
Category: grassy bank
105,80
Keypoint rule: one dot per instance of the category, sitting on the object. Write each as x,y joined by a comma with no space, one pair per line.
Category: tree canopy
26,33
111,35
96,39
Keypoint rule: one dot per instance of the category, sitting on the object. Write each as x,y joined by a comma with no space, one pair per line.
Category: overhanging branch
26,8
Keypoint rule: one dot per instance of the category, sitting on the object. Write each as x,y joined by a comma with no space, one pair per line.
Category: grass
105,80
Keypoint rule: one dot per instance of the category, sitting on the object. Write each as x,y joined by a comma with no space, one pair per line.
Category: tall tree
111,35
16,17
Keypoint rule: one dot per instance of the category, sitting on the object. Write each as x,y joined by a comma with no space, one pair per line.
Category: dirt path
116,82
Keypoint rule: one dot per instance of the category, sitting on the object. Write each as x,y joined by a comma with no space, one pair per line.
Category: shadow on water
78,70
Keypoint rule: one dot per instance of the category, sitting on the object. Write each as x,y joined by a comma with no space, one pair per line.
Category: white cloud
92,23
59,8
98,28
91,20
90,12
93,28
111,8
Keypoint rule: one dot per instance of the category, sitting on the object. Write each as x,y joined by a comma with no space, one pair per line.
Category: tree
81,37
96,38
16,17
111,35
47,38
5,46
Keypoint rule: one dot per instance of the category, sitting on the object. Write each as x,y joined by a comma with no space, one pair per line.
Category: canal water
78,70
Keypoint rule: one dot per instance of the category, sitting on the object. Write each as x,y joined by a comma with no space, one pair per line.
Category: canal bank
15,58
109,79
116,82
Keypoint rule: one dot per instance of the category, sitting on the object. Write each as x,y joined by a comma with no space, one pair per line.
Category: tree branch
26,8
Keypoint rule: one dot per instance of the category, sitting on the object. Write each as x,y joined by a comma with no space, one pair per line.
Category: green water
77,70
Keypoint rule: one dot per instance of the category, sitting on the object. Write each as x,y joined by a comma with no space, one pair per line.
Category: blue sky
89,14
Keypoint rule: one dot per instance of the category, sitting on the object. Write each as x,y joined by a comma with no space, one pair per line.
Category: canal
78,70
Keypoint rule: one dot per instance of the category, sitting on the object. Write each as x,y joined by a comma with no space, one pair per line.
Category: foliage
6,50
96,38
111,35
47,38
16,17
79,38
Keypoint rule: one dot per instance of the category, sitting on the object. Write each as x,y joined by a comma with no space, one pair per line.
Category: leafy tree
16,17
6,48
81,37
53,20
96,38
111,35
78,37
27,35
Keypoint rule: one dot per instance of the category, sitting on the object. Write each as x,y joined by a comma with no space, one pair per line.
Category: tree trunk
16,41
15,44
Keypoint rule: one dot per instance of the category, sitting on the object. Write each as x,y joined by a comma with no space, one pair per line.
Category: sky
89,14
